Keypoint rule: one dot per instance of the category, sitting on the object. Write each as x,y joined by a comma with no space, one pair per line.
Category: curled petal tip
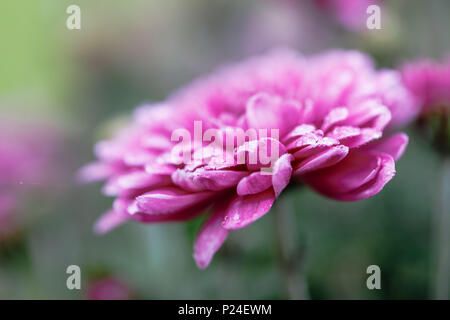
108,221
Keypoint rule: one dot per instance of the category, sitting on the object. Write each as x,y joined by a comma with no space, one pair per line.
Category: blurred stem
442,228
290,261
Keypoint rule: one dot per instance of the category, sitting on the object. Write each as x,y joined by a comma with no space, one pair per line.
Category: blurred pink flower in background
331,110
351,14
283,22
8,223
429,81
109,288
27,151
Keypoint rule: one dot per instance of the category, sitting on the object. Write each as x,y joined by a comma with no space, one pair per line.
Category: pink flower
330,112
109,288
429,81
26,162
8,223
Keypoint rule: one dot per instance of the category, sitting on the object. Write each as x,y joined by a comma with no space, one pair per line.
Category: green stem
442,240
290,261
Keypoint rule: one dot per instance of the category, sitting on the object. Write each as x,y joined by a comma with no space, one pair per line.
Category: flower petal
315,147
334,117
344,132
385,174
360,175
254,183
203,179
299,131
210,237
184,214
242,211
108,221
321,160
217,179
184,179
282,172
141,179
169,200
96,171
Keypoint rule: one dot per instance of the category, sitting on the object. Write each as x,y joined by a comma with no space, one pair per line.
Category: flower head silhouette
429,82
330,113
27,153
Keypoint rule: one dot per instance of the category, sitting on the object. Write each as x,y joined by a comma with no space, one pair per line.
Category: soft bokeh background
86,82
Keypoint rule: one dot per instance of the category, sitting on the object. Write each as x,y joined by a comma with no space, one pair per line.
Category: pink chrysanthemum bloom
329,113
429,82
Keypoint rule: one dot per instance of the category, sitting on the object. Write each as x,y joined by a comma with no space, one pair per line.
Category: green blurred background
87,81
